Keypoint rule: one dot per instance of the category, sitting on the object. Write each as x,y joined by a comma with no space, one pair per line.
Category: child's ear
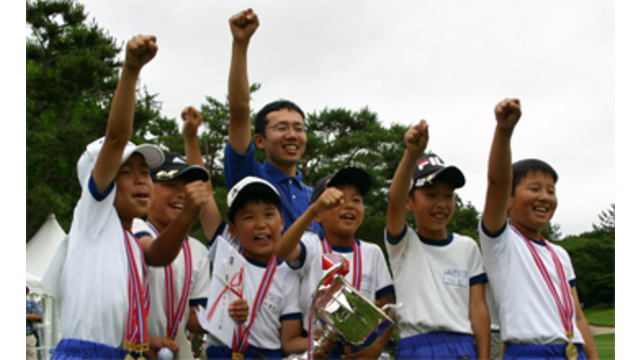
409,203
259,140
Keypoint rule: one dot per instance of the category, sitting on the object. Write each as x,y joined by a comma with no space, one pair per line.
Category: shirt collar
278,176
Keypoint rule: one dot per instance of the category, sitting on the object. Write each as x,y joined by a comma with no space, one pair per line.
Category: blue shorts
223,352
437,345
73,349
533,352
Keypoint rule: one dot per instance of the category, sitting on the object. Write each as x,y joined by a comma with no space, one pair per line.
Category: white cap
152,155
236,190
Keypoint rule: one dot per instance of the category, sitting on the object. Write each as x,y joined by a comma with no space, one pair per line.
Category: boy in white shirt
533,281
103,281
439,276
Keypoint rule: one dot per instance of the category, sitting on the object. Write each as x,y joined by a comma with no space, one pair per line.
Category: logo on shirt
456,277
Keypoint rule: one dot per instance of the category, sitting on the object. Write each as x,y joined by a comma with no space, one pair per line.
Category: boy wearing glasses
279,131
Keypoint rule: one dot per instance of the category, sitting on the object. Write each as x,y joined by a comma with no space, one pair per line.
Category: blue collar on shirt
260,263
344,249
277,176
436,242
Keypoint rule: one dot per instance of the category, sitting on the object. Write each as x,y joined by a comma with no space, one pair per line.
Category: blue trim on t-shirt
395,241
432,242
389,289
198,302
97,195
141,234
292,316
478,279
297,264
490,234
260,263
345,249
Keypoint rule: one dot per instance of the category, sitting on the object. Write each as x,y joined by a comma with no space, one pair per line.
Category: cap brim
180,171
452,175
349,175
152,154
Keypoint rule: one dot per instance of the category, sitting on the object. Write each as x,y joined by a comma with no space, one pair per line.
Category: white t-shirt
200,277
278,306
93,284
433,280
375,282
528,314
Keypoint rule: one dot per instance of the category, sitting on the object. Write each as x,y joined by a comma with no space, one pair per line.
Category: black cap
348,175
431,166
175,167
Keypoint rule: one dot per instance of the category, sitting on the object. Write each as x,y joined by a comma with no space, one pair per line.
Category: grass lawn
601,316
606,346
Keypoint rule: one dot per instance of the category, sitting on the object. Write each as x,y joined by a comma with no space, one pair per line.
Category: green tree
340,137
607,227
71,73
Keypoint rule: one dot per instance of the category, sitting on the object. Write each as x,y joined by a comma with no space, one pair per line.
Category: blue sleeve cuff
294,316
493,235
482,278
141,234
385,291
394,241
97,195
573,282
198,302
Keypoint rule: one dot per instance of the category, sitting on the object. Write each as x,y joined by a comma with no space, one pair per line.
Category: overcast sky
448,62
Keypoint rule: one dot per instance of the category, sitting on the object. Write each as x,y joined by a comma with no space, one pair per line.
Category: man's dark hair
261,116
523,167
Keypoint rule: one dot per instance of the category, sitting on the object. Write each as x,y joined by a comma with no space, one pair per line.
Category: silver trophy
343,312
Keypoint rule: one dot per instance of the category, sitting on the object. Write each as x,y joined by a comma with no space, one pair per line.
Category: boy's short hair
261,116
521,168
152,155
249,190
175,166
348,175
430,168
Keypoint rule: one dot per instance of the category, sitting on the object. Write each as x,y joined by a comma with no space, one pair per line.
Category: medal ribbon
564,305
241,336
357,261
136,332
175,315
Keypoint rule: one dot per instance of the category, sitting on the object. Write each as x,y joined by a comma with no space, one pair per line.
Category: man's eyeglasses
284,128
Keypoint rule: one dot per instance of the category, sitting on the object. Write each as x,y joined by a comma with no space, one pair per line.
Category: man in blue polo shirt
279,130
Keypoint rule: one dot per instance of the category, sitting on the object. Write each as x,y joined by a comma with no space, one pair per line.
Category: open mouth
439,216
262,238
291,149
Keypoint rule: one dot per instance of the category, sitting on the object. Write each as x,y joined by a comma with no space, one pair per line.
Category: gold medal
237,355
129,357
571,351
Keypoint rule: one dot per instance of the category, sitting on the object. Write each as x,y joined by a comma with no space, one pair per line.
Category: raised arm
139,51
415,139
243,25
210,217
507,114
288,247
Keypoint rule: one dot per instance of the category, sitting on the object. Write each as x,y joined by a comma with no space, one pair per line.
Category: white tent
41,250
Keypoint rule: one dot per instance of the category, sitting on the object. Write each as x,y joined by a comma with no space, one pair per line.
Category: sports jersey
200,277
375,281
278,306
93,283
432,280
528,314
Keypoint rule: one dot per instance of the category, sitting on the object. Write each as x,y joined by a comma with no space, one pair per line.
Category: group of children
132,276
